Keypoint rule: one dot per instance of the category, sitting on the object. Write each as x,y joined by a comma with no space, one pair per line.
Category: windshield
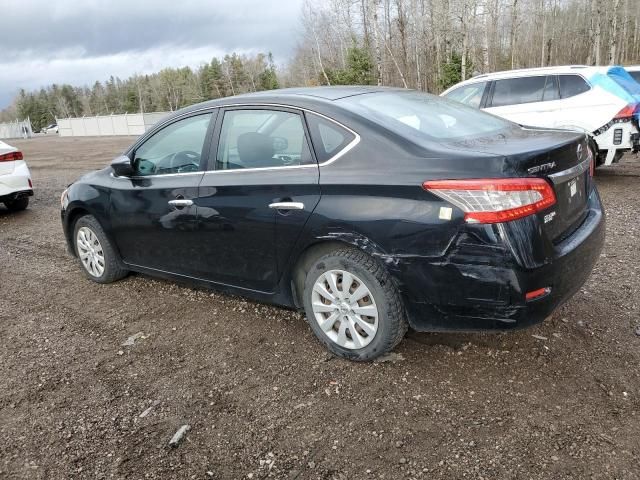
419,115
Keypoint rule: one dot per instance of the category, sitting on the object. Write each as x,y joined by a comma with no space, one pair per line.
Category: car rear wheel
96,254
353,306
17,204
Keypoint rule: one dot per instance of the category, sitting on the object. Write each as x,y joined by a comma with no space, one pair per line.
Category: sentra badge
542,168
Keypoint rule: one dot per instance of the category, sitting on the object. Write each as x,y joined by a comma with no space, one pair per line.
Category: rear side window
468,94
572,85
328,137
513,91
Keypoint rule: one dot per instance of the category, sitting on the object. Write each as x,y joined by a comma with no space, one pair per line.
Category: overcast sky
78,42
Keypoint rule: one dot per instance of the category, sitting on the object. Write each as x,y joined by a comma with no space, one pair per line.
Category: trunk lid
560,157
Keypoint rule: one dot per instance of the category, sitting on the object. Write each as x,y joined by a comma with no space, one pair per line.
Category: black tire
113,269
17,204
598,157
392,323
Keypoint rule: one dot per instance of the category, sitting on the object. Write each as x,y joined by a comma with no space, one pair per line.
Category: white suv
15,178
600,101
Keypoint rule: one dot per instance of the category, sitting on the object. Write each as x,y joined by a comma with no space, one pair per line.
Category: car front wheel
353,306
96,254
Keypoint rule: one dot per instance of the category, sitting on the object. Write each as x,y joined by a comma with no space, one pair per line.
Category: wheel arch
70,224
322,246
74,213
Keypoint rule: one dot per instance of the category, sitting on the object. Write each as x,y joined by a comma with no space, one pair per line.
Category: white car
634,71
53,128
15,179
603,102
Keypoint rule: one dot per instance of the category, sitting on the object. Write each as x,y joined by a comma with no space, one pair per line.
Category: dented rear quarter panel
451,274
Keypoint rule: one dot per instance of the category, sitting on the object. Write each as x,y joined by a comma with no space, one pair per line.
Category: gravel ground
261,396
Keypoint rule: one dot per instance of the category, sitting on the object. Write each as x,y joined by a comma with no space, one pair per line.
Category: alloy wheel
90,251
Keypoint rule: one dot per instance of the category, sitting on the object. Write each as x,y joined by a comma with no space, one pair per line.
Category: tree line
422,44
169,89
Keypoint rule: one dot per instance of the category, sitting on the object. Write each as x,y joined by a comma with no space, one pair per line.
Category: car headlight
64,199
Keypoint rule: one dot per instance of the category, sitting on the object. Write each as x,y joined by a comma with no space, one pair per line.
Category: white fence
17,129
126,124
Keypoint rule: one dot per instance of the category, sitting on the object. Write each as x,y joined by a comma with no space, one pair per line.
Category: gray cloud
45,41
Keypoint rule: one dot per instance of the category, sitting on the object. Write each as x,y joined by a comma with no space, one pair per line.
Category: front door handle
287,205
180,202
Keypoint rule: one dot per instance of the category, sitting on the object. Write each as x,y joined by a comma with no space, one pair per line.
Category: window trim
215,110
279,107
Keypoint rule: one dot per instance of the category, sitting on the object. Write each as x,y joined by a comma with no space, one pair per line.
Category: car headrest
255,150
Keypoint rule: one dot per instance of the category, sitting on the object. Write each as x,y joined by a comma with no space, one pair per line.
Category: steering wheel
185,161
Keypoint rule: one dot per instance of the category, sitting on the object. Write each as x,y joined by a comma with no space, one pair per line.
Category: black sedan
372,209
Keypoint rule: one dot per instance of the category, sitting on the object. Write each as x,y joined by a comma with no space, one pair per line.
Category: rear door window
468,94
262,138
514,91
635,75
572,85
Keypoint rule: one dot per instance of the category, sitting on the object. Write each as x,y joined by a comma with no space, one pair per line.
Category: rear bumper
15,195
16,182
482,285
616,139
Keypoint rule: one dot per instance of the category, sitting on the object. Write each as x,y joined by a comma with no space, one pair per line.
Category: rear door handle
180,202
287,205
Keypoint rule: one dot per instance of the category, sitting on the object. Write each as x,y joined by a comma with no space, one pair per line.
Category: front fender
87,198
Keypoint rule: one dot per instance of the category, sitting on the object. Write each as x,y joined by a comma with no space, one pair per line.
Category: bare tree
613,34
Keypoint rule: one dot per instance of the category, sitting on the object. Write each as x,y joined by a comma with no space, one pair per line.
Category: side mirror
122,166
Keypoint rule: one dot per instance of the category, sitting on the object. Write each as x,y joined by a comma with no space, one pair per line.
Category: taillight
495,200
11,157
626,113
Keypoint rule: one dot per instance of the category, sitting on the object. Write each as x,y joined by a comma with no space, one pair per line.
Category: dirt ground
264,399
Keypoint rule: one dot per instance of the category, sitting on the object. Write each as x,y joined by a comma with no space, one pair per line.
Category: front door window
176,148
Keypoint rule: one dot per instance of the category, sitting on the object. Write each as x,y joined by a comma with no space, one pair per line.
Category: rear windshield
419,115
